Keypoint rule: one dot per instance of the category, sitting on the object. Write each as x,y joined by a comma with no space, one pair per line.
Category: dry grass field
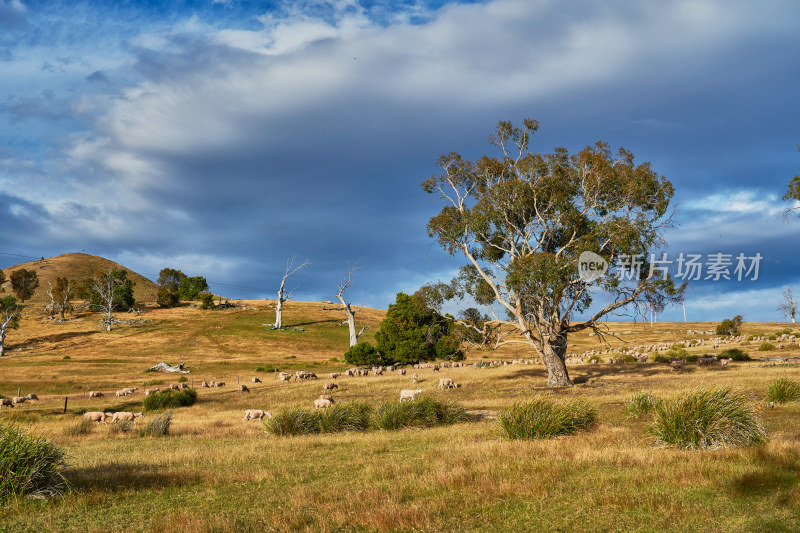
215,472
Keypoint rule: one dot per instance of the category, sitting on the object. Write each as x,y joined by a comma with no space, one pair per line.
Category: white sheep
96,394
284,377
401,371
323,403
256,414
32,396
446,383
724,362
333,375
16,400
126,415
130,390
121,392
148,392
96,416
326,397
410,395
174,386
415,378
330,386
6,401
204,384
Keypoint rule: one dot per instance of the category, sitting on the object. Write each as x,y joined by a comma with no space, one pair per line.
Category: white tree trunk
283,295
279,312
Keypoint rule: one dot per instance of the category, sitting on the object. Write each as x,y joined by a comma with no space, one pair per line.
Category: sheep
706,361
130,390
32,396
18,399
96,416
321,403
284,377
676,365
326,397
96,394
401,372
724,362
204,385
184,385
6,401
407,394
121,393
330,386
445,383
256,380
435,368
378,372
255,414
148,392
415,378
243,388
125,416
643,358
310,375
333,375
174,386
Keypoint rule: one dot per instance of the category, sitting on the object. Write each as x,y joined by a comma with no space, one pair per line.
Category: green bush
783,390
346,417
641,403
170,399
183,379
29,465
267,368
363,353
766,347
734,354
772,337
542,418
707,418
158,426
294,422
692,358
594,359
207,301
629,358
425,412
730,326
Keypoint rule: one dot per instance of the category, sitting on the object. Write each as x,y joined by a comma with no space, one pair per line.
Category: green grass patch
783,390
543,418
707,419
29,466
84,427
170,399
267,368
425,412
641,403
346,417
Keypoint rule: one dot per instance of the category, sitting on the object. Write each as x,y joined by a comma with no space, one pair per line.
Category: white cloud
739,202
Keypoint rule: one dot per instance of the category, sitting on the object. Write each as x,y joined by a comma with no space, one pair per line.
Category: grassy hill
77,266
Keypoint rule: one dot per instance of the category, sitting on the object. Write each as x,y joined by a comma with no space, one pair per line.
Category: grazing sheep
96,394
326,397
6,401
333,375
256,380
121,393
148,392
126,415
378,372
401,372
435,368
415,378
32,396
96,416
284,377
310,375
446,383
204,385
174,386
18,399
706,361
410,395
243,388
330,386
255,414
130,390
676,365
642,358
322,403
724,362
184,385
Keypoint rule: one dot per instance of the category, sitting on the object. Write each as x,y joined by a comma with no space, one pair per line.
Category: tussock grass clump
158,426
425,412
783,390
734,354
766,347
151,382
267,368
641,403
707,419
84,427
346,417
121,426
542,418
29,465
294,422
170,399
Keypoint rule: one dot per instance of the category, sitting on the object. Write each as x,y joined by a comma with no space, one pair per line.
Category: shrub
629,358
766,347
363,353
167,299
734,354
346,417
730,326
707,418
267,368
207,301
641,403
66,357
783,390
170,399
158,426
425,412
183,379
660,358
84,427
772,337
692,358
542,418
29,465
594,359
677,353
294,422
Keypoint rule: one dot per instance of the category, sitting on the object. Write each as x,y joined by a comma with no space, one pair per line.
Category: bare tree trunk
283,295
554,352
279,311
2,341
351,315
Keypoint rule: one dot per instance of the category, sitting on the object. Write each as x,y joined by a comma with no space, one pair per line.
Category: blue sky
222,138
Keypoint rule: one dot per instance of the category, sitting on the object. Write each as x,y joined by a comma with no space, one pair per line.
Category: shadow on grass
775,474
125,476
56,337
311,323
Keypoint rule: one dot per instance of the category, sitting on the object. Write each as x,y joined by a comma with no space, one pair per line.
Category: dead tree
283,294
788,306
105,285
351,314
9,319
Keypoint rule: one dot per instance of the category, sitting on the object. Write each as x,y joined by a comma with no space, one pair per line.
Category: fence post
65,404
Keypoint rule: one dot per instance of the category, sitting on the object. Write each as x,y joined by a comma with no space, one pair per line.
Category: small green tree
9,319
363,353
169,280
412,332
730,326
207,300
110,292
190,288
24,283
